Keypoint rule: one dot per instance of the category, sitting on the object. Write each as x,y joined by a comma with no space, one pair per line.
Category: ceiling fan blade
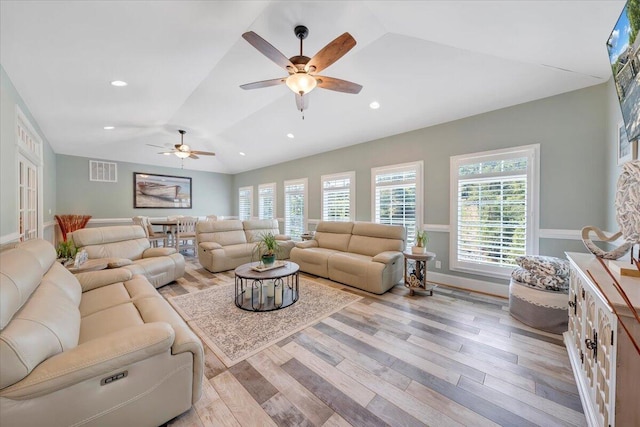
330,53
203,153
166,152
338,85
193,156
268,50
263,83
302,102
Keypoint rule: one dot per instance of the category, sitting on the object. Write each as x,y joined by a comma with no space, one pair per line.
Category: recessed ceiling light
242,154
118,83
290,135
108,128
374,105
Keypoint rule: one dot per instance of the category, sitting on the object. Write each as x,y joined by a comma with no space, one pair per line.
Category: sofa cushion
22,269
109,320
255,229
333,235
123,241
313,260
371,239
241,250
49,323
227,232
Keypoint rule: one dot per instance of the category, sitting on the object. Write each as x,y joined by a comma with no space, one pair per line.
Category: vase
418,249
268,260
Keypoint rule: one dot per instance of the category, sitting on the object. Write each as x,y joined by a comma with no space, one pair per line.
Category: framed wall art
625,149
161,191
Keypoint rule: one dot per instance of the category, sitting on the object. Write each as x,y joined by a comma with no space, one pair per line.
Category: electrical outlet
438,264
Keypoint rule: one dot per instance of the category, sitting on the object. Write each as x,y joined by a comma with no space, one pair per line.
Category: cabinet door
589,341
605,366
576,312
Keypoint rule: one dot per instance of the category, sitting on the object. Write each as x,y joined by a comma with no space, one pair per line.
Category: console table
605,363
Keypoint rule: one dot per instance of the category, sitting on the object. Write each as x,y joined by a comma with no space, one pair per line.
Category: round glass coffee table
261,289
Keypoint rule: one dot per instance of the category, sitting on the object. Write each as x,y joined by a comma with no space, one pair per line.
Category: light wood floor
454,358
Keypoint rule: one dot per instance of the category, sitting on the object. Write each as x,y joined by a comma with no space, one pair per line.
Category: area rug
234,334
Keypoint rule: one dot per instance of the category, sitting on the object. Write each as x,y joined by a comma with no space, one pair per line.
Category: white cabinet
604,361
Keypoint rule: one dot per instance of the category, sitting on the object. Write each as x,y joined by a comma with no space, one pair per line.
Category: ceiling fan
302,70
182,150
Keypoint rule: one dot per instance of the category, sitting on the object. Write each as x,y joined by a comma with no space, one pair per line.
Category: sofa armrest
387,257
155,252
93,358
96,279
210,246
283,237
307,244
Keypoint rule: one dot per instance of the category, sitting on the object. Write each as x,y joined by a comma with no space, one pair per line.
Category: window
295,207
338,195
494,209
245,203
267,201
397,196
29,179
103,171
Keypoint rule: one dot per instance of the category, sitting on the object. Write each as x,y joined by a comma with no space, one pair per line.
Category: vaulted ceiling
425,62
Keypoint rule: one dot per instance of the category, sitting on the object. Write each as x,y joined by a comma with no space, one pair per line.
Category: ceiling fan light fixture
301,83
182,154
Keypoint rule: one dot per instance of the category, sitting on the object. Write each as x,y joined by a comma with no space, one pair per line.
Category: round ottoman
538,308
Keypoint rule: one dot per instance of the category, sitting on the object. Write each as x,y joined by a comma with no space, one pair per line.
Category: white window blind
267,201
295,207
245,203
338,195
494,210
397,196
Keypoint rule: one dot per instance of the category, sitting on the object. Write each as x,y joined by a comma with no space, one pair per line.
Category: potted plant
421,242
267,247
66,251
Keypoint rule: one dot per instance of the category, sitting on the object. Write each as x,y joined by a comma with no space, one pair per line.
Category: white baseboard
469,284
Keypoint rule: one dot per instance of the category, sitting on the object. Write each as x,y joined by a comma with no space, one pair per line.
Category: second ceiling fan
302,70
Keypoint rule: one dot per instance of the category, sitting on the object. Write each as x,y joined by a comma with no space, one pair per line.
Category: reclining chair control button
113,378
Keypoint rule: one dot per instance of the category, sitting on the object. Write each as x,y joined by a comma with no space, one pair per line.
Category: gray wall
9,98
572,130
211,192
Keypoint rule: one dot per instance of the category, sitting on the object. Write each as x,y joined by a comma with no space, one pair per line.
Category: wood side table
417,279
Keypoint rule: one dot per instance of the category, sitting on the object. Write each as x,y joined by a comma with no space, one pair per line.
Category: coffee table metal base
266,291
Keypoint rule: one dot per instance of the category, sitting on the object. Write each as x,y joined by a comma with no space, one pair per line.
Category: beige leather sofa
129,242
224,245
365,255
96,349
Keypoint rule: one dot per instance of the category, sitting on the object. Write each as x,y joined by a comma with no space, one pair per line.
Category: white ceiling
425,62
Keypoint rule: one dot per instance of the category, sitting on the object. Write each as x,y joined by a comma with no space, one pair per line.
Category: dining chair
185,237
154,237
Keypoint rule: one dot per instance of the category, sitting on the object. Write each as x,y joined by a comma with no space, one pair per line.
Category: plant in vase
267,248
421,242
66,251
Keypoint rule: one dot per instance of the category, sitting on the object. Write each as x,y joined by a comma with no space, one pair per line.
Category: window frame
420,198
272,186
305,216
351,176
249,189
532,230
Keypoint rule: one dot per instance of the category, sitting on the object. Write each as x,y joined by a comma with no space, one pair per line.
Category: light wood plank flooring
451,359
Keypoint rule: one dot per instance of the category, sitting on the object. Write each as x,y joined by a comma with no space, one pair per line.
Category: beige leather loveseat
365,255
96,349
224,245
127,246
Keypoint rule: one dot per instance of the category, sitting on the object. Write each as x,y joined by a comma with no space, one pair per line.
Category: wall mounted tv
624,55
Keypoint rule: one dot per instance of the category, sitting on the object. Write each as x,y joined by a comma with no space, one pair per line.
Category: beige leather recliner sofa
129,242
96,349
225,245
364,255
